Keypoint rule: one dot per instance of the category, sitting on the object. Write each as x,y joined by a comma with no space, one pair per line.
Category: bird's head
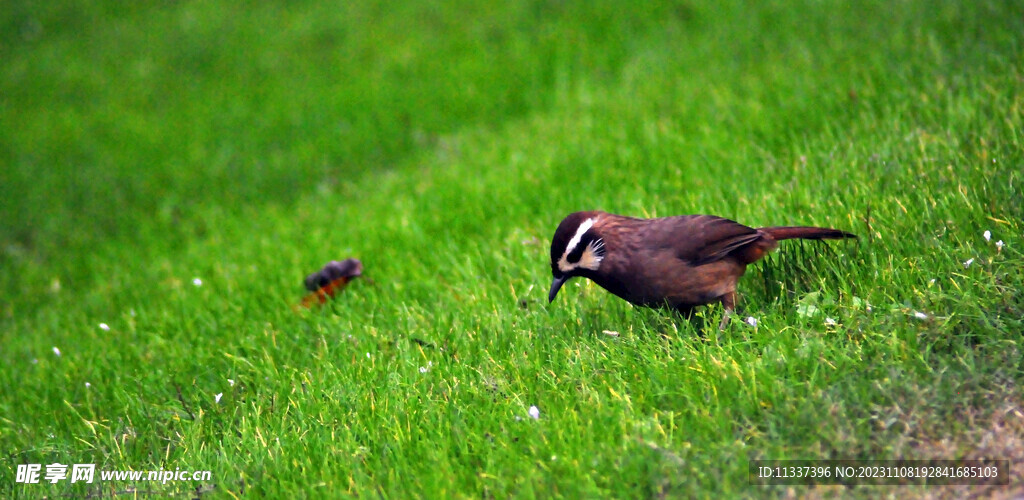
576,249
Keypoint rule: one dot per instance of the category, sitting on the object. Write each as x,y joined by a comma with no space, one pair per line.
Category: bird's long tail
807,233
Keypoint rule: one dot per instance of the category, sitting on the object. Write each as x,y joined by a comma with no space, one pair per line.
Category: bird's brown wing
701,239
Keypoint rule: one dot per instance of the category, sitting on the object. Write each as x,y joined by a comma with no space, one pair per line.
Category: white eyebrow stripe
587,224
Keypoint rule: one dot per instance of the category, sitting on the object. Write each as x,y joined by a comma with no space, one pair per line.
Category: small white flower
987,234
999,244
931,281
56,351
105,327
534,412
830,321
920,315
424,369
197,282
554,457
968,262
88,385
517,417
231,382
216,397
131,312
752,321
367,355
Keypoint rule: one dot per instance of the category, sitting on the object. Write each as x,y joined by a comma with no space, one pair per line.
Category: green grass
145,145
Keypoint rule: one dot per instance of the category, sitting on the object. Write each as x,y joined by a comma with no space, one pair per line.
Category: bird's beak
555,286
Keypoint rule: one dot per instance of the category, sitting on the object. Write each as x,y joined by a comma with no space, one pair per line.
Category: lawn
171,171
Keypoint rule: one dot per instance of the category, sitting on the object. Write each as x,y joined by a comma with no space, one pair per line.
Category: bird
677,262
329,280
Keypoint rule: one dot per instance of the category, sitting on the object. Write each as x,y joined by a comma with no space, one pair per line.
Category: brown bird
331,279
677,262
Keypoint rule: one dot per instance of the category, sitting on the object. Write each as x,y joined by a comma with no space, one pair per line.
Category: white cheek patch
592,255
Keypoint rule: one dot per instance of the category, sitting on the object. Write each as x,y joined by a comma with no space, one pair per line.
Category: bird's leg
725,319
728,303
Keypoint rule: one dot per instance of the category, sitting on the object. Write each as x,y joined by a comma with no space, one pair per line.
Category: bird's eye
575,255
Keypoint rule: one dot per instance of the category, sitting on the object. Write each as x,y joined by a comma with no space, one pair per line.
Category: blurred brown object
331,279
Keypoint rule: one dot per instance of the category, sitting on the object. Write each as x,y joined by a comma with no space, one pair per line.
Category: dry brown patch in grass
995,434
